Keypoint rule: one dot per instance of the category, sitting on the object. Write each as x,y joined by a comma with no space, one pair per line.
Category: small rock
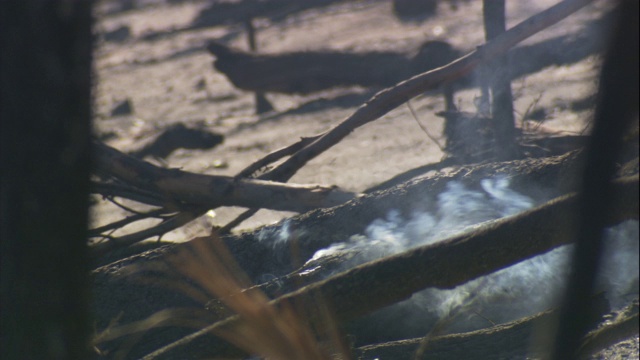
122,108
118,35
201,84
262,104
106,136
538,114
412,8
220,164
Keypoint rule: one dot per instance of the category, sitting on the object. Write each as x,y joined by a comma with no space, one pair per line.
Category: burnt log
260,252
446,264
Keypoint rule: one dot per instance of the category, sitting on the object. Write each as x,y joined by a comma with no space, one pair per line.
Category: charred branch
184,188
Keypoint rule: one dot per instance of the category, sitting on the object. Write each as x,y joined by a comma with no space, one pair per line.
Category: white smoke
520,290
459,210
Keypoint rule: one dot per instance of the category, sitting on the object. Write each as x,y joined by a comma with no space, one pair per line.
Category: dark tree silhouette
616,108
500,84
45,111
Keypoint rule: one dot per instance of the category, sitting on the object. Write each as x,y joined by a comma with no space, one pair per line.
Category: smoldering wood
544,177
446,264
257,254
315,270
531,148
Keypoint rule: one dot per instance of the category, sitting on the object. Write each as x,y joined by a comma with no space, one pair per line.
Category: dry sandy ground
170,80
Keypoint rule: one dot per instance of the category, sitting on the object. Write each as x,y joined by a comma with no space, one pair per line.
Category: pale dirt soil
160,78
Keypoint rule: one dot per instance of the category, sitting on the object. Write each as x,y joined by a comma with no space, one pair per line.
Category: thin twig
528,111
124,207
424,128
275,156
237,221
250,170
126,191
410,174
164,227
157,213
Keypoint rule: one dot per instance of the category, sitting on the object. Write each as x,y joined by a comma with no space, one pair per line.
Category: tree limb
212,191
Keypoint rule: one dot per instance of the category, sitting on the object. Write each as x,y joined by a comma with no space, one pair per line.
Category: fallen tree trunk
260,252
